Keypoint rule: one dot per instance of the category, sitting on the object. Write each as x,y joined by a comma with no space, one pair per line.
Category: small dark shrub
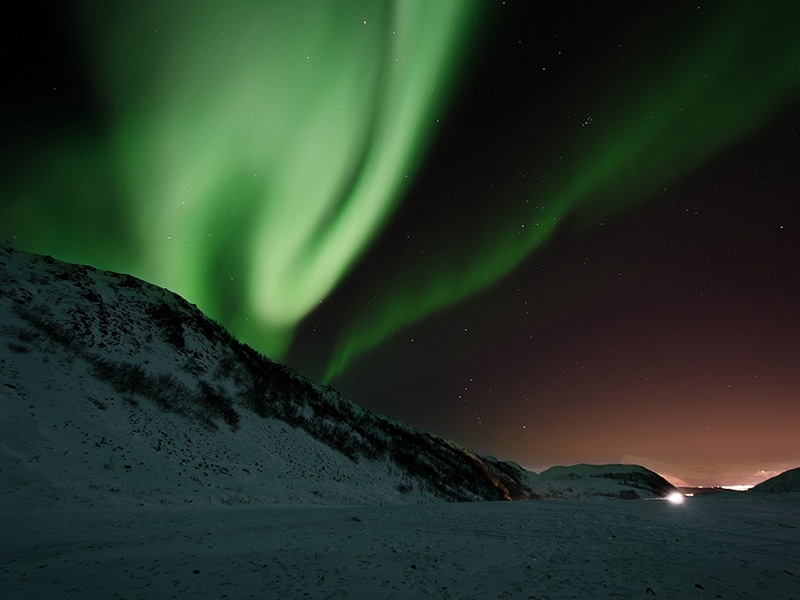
218,403
171,322
98,403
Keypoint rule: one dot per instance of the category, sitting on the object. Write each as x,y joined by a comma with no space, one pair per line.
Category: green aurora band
249,152
723,82
256,148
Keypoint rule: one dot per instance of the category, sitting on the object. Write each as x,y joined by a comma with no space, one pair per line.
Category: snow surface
111,491
730,545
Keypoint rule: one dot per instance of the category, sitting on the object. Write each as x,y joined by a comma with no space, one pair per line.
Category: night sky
556,232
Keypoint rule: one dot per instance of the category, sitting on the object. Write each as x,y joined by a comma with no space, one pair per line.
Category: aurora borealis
670,122
557,234
287,131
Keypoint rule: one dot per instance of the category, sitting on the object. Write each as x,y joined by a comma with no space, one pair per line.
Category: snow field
723,546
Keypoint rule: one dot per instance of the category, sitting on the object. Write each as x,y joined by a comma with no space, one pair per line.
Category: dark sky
590,246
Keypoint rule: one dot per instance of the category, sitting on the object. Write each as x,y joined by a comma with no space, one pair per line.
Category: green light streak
725,82
260,145
303,134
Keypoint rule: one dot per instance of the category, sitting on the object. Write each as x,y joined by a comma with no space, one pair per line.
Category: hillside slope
115,391
788,481
627,482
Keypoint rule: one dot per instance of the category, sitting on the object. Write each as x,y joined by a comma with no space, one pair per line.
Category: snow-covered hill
628,482
115,391
788,481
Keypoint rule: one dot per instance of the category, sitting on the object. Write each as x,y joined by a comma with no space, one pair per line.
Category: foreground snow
724,546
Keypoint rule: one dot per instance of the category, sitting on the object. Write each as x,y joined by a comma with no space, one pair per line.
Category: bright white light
676,498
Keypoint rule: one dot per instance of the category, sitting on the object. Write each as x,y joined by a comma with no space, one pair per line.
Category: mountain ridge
788,481
147,386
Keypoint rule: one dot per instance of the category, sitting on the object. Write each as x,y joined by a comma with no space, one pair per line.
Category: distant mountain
115,391
628,482
788,481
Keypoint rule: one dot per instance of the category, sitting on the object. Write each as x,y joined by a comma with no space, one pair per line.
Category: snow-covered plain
732,545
